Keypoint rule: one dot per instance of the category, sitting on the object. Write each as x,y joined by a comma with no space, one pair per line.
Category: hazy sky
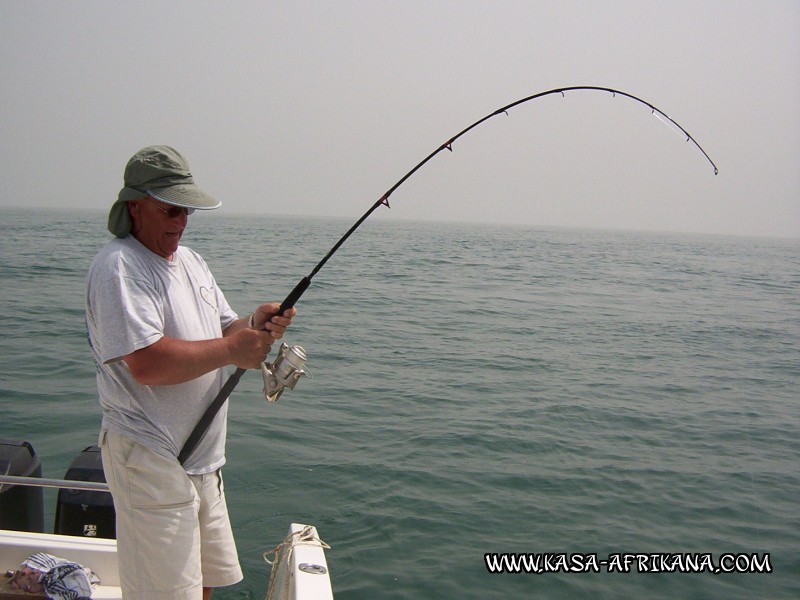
317,108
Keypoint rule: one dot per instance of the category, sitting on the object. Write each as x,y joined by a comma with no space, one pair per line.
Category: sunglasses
173,211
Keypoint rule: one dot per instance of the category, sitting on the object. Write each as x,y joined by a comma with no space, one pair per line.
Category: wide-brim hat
160,172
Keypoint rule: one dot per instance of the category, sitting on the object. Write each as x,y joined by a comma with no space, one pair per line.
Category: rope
283,554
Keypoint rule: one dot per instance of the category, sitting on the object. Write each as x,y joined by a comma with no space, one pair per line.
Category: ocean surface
476,390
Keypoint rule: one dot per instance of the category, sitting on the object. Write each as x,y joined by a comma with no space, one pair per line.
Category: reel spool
284,372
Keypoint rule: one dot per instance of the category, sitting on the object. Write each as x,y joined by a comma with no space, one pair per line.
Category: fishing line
305,282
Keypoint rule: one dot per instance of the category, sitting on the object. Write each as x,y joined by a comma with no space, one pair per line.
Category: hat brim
185,195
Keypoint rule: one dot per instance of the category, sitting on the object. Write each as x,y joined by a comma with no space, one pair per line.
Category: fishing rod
288,367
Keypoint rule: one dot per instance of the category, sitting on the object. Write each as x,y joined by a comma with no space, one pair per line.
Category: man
162,333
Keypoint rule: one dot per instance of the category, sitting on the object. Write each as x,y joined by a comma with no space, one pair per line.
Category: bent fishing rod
288,367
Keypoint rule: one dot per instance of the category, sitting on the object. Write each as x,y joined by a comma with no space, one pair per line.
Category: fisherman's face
158,226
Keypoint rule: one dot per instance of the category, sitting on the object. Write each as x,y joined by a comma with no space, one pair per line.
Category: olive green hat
160,172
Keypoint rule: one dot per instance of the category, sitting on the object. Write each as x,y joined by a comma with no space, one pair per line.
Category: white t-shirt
134,298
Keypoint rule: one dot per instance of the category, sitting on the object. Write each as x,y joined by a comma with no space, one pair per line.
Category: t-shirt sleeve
132,315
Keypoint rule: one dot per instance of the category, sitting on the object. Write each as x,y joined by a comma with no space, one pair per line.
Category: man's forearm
170,361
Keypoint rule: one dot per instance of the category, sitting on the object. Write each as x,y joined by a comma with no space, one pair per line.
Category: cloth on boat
61,579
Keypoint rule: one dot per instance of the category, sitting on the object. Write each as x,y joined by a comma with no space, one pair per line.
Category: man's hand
249,348
266,317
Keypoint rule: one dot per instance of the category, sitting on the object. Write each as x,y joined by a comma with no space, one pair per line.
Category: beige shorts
173,532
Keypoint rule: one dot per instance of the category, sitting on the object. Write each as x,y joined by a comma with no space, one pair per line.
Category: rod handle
295,294
205,421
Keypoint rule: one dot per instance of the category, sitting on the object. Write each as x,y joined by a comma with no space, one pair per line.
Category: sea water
478,391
